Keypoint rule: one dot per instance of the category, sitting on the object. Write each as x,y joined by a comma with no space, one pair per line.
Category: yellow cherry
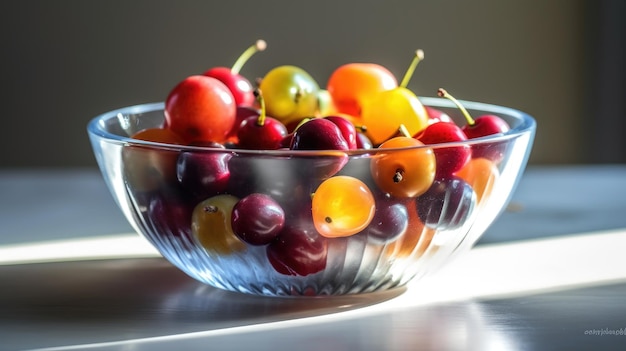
211,225
385,112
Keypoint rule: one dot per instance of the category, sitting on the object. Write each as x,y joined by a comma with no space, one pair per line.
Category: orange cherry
352,84
342,206
146,167
481,174
404,173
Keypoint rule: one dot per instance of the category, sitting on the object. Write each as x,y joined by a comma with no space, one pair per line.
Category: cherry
403,173
449,159
391,220
239,86
211,225
417,236
203,174
261,132
241,114
318,134
290,93
480,127
342,206
352,84
362,141
257,219
481,174
387,110
170,216
348,131
200,109
148,168
447,203
298,250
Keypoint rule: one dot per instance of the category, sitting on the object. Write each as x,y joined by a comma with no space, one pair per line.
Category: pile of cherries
296,204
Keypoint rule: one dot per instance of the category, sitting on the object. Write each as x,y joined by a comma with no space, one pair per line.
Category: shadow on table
97,301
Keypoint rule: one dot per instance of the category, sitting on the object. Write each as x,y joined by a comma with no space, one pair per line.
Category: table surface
548,274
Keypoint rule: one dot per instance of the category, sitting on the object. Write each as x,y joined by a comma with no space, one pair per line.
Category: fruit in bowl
304,203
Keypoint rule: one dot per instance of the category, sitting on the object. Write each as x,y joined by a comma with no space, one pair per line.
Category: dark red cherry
318,134
298,250
348,131
203,174
391,220
170,216
257,219
446,204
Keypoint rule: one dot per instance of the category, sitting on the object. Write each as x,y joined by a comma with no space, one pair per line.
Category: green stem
260,45
443,93
419,56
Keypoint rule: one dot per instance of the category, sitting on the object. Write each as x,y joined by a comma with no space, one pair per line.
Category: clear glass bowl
434,229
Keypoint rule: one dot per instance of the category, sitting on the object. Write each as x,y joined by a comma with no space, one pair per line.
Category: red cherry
240,87
480,127
200,109
485,125
242,113
448,159
261,132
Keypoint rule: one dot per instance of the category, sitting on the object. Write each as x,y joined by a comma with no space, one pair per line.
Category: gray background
63,62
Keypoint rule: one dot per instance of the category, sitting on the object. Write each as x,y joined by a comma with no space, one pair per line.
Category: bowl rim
95,128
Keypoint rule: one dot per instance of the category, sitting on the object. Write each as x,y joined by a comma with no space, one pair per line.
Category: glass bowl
405,237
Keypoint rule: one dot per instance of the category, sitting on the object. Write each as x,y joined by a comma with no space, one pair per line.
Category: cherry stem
444,94
260,45
259,98
419,56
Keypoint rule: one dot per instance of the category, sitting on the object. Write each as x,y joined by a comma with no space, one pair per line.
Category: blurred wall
63,62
